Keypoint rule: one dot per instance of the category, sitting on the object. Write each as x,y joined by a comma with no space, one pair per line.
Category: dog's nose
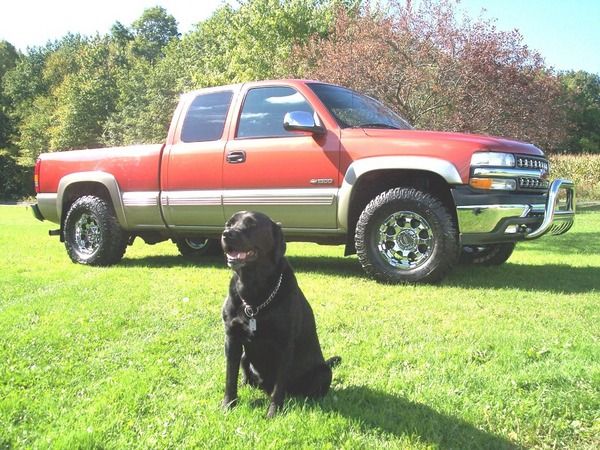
227,233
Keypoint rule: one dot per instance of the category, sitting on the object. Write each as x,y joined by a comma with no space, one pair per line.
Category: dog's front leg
278,394
233,355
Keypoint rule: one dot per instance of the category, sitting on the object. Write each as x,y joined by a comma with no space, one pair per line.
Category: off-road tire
196,248
487,255
430,232
92,233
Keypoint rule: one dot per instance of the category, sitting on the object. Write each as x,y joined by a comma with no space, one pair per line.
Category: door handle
236,157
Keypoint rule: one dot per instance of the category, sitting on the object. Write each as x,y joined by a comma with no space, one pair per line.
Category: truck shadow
557,278
552,277
380,412
165,261
328,265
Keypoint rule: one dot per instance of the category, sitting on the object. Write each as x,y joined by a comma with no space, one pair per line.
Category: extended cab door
191,172
290,175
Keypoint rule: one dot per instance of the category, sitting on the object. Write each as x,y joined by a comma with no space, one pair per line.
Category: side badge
321,181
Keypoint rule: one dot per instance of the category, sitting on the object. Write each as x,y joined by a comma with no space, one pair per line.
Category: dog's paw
229,403
273,409
333,362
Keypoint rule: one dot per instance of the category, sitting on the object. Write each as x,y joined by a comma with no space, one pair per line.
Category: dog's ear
279,245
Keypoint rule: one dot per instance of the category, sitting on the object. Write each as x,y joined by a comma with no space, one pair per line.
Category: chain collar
250,311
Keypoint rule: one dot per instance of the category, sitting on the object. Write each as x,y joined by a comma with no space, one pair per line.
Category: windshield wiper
377,125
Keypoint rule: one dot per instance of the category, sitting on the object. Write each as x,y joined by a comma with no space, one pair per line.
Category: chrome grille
529,183
528,162
532,183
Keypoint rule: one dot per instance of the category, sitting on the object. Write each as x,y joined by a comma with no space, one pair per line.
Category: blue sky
565,32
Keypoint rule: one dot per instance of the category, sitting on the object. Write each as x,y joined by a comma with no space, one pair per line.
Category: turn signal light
493,183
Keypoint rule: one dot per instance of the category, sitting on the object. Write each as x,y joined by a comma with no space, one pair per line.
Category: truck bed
136,167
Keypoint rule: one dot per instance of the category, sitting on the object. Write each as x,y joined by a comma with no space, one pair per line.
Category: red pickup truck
332,165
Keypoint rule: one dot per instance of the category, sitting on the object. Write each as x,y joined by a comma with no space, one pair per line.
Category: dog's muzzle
236,257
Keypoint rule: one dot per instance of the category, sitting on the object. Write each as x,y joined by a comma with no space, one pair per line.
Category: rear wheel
198,247
92,233
487,255
406,235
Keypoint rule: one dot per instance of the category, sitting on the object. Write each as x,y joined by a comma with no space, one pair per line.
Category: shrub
584,170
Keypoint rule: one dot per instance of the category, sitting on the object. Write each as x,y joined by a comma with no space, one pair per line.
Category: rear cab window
205,118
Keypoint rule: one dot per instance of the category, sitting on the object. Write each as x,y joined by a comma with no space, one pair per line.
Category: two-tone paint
305,181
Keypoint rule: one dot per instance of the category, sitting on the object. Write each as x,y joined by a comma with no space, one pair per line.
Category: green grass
132,356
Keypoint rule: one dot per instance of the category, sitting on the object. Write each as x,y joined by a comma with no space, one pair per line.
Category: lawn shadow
330,265
552,277
557,278
382,412
165,261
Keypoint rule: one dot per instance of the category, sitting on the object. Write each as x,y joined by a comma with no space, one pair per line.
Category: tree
440,71
8,60
582,90
153,31
250,42
121,34
85,98
144,105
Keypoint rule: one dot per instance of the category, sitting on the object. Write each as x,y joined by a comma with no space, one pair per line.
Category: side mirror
302,121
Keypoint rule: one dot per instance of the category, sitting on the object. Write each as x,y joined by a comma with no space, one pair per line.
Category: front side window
354,110
206,116
264,110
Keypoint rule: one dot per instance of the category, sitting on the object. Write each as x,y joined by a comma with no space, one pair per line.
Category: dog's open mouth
237,258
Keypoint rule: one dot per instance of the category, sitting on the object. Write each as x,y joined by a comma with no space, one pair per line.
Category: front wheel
406,235
92,233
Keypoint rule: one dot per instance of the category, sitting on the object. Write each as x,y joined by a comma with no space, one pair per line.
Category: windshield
354,110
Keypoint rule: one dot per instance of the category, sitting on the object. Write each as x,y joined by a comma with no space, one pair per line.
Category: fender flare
357,169
105,179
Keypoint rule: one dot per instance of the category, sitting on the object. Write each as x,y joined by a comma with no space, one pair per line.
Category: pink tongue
237,255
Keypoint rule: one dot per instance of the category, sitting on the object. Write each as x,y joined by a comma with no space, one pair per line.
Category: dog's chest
254,329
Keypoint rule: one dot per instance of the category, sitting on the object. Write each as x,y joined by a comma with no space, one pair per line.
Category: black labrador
269,326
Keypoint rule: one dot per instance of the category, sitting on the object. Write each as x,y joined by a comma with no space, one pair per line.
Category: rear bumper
494,218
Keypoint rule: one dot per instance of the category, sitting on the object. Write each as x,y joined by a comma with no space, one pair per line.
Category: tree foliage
8,60
582,92
441,71
152,32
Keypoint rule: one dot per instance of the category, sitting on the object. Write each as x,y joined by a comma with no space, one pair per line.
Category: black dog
269,326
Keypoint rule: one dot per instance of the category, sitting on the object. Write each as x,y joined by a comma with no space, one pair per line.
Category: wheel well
77,190
371,184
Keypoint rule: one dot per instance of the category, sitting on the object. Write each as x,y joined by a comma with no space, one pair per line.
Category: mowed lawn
131,356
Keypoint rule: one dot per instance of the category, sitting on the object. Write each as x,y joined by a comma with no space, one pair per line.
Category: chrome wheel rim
405,240
196,244
87,235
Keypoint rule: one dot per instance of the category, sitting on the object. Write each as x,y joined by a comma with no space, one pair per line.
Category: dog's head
252,237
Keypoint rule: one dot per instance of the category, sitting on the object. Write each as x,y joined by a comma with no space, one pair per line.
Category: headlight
493,159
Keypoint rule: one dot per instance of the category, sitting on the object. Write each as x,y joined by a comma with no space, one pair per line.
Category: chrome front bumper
504,222
558,218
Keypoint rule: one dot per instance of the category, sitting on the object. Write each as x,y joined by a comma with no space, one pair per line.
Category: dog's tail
333,362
